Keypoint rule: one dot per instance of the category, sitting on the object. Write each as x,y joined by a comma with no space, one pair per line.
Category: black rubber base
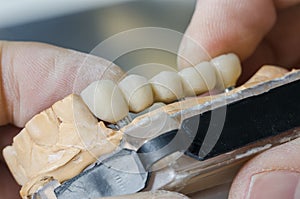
249,120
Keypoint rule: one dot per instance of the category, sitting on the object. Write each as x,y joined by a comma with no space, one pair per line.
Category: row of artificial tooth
105,100
137,92
112,103
198,79
167,87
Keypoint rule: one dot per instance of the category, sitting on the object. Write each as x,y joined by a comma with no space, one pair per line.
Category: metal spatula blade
124,172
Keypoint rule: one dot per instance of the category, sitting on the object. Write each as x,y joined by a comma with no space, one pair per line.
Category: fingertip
272,174
221,26
191,53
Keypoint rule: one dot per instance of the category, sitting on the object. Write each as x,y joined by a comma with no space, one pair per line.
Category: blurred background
83,24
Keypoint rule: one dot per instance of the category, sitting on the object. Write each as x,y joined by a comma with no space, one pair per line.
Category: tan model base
61,141
58,143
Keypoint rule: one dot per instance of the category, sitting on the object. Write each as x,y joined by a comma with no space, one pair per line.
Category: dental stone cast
228,68
63,140
137,92
105,100
167,87
58,143
198,79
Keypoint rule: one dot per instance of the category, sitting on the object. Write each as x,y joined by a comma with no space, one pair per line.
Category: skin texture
33,77
259,32
48,73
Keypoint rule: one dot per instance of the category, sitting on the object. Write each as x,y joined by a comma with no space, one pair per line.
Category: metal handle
162,146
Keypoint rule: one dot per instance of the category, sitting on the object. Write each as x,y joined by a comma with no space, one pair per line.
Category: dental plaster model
64,139
58,143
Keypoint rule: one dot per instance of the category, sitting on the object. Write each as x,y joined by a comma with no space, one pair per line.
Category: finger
35,75
224,26
284,37
281,4
272,174
280,47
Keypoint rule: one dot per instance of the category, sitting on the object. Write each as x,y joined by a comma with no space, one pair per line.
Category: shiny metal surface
119,174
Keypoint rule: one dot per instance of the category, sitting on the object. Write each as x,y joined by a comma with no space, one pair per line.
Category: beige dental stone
36,126
167,87
198,79
105,100
265,73
59,142
228,68
137,92
78,139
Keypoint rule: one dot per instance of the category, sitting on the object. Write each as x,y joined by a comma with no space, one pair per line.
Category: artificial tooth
198,79
167,87
228,68
137,92
105,100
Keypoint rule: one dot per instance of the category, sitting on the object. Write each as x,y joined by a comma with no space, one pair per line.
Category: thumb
222,26
35,75
272,174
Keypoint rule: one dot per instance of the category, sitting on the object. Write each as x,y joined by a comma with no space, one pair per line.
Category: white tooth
167,86
105,100
137,92
198,79
208,73
228,68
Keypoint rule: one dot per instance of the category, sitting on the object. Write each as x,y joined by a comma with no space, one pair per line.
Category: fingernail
275,185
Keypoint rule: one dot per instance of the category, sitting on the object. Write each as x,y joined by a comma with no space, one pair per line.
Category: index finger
222,26
35,75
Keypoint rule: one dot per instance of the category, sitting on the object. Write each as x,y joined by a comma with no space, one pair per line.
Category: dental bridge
87,146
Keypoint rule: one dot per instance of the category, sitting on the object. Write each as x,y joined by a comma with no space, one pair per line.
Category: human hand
260,32
32,77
